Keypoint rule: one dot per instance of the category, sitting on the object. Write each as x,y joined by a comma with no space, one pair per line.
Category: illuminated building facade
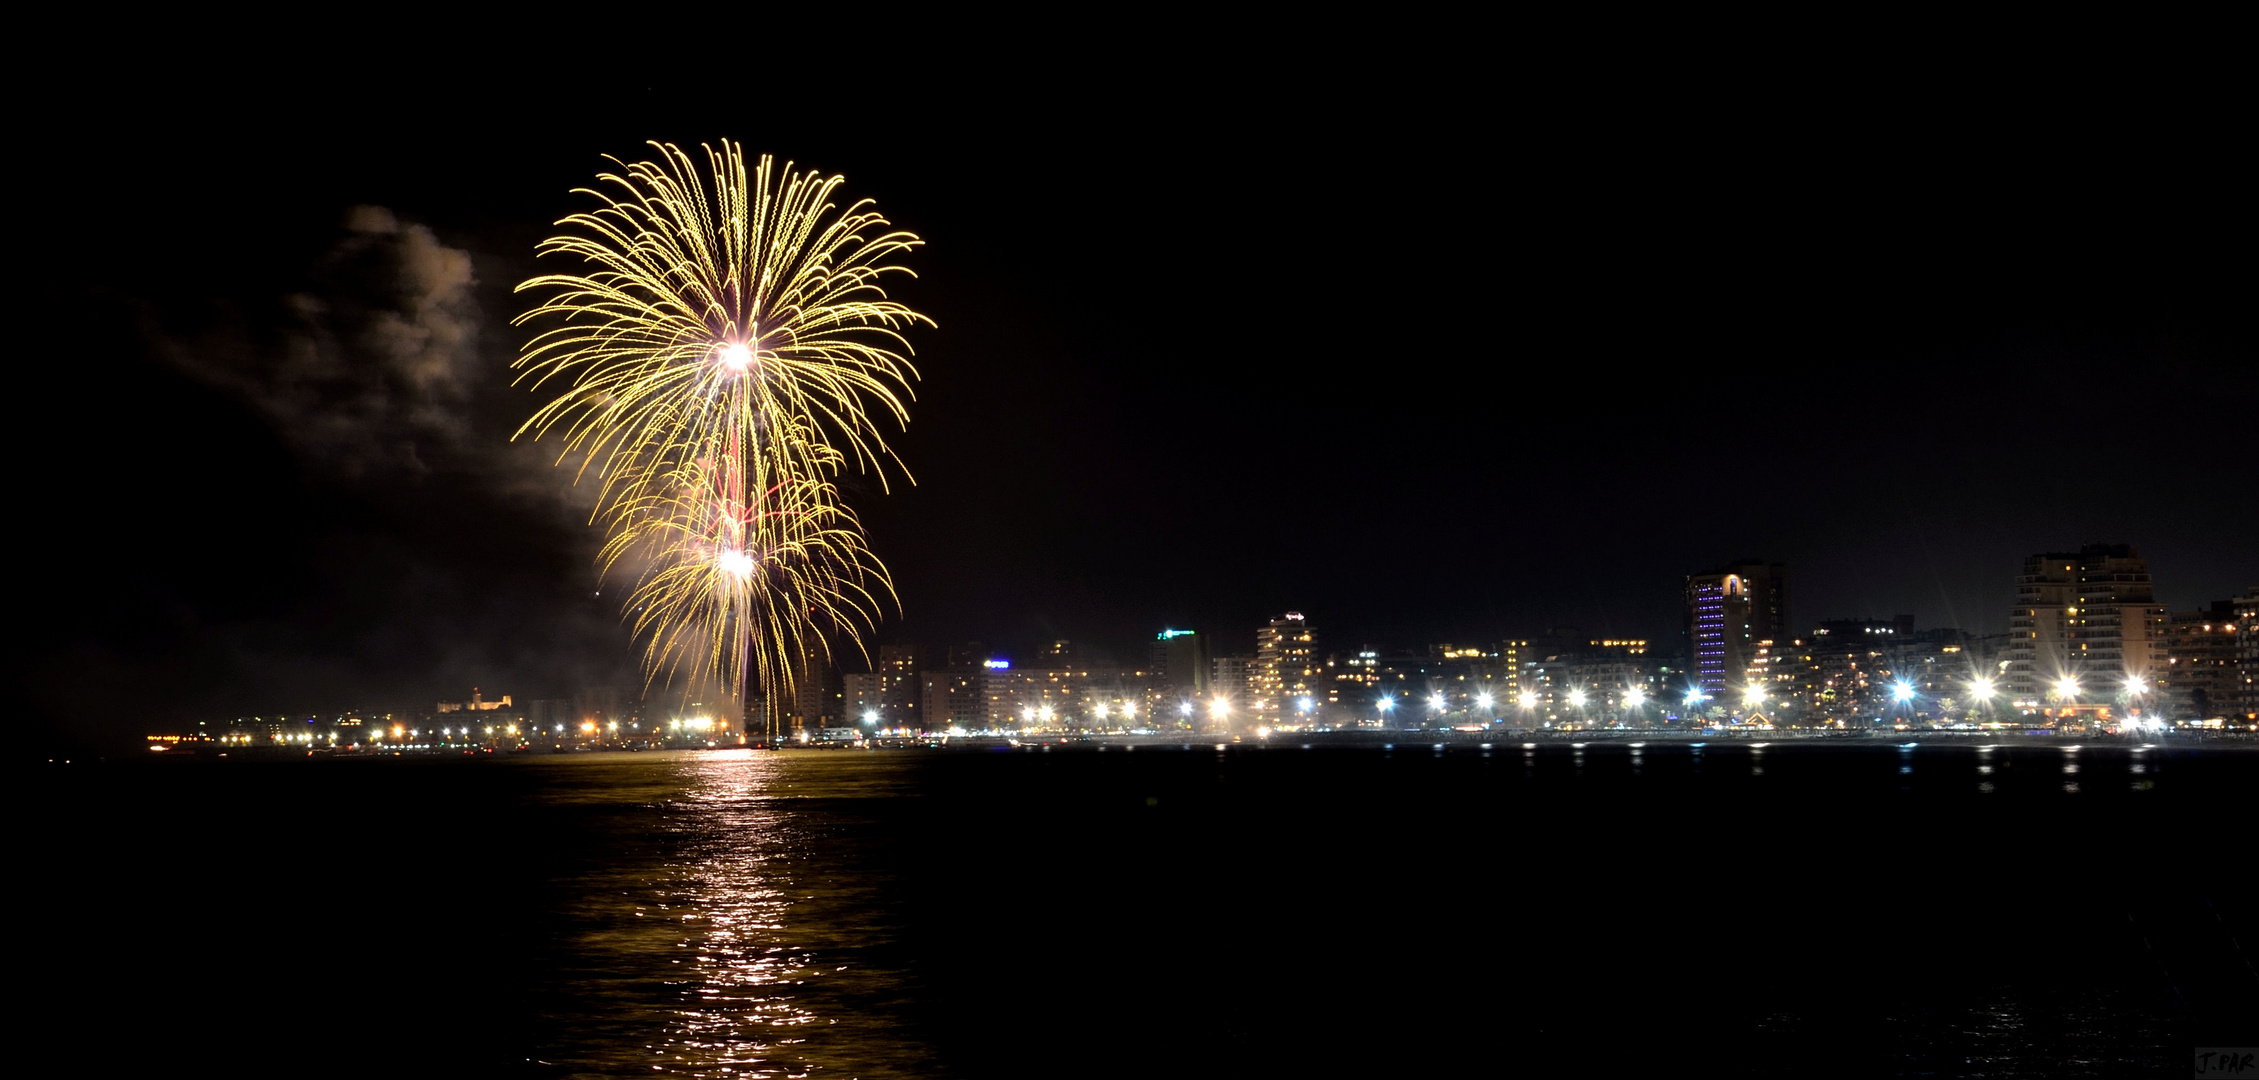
1230,678
953,697
1286,666
477,703
889,695
2198,678
2246,609
2088,616
1731,613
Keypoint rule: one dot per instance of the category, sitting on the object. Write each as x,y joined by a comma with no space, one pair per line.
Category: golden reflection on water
735,954
736,1009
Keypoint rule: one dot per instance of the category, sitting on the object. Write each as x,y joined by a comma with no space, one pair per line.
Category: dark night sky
1431,344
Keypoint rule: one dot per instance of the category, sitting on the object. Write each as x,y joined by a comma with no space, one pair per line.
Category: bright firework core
736,563
734,355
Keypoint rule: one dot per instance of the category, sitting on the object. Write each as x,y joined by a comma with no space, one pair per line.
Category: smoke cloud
375,367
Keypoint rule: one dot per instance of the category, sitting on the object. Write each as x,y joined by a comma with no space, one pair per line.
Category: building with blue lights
1733,614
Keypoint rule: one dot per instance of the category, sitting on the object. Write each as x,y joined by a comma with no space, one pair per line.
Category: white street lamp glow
1483,700
1634,697
1981,687
1576,699
1305,704
1902,691
1438,703
1529,699
2135,684
1752,695
2068,686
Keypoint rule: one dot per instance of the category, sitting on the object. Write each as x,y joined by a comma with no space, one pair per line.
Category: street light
1386,703
2136,687
2066,690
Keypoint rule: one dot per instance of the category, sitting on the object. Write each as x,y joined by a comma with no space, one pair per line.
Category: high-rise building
1230,688
1732,613
2246,609
1180,657
889,695
818,698
2198,678
953,697
1286,665
2087,616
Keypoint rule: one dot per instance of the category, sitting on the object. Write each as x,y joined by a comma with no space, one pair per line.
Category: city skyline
2085,649
1343,364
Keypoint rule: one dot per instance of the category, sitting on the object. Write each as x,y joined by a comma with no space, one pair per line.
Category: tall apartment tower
1231,680
2199,677
1181,659
891,693
1286,664
2089,615
818,697
1732,613
2247,651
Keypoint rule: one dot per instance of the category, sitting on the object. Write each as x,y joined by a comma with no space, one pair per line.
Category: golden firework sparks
738,579
726,349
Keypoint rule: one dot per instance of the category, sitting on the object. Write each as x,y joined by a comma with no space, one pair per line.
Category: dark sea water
1800,909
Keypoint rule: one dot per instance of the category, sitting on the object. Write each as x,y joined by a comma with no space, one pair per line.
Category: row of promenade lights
1902,693
1219,710
697,727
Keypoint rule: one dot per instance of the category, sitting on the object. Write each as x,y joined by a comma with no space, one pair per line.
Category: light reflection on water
733,918
732,939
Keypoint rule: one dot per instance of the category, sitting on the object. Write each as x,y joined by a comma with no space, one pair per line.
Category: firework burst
727,348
